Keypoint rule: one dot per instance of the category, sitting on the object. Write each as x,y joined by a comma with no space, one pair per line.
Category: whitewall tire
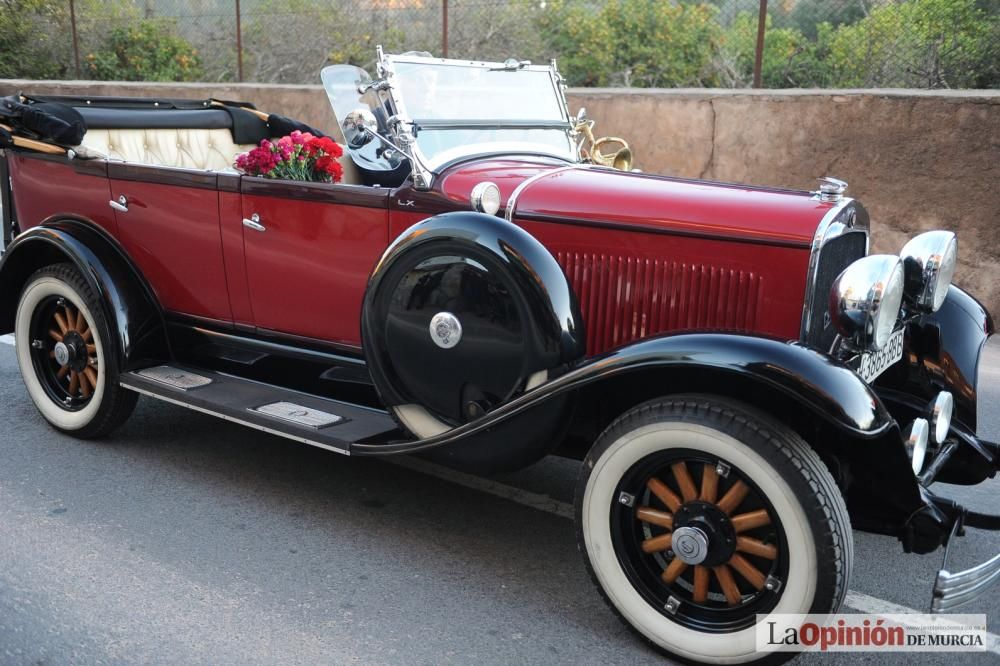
65,354
761,522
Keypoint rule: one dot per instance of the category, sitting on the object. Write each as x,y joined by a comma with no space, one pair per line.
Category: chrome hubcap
62,353
690,545
446,330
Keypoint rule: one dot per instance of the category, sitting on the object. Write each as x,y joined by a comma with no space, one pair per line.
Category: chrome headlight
865,300
486,198
929,264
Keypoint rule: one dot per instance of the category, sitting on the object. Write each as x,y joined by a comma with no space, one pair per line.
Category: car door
168,221
309,249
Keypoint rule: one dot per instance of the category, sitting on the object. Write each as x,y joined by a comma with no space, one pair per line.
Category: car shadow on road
349,540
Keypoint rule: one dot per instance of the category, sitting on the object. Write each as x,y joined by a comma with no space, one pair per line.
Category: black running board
328,424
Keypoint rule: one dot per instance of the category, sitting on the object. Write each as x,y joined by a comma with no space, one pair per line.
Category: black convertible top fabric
64,119
151,103
118,118
280,126
47,121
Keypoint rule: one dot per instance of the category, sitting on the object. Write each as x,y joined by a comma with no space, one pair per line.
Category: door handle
254,223
121,205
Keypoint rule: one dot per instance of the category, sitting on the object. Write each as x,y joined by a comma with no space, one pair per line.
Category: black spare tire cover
462,312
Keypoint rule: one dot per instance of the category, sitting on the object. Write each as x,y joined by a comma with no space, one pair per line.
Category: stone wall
918,160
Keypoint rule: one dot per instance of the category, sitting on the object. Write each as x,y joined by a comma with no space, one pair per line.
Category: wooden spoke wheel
700,539
696,514
65,353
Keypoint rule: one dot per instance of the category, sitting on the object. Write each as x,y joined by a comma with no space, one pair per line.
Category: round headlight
941,411
929,261
486,198
916,443
865,300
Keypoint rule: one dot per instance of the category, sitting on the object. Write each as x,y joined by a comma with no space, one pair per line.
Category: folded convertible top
247,125
150,103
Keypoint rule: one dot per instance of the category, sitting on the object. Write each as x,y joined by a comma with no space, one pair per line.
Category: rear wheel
696,514
64,352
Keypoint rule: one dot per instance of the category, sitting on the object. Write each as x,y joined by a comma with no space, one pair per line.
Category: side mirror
359,127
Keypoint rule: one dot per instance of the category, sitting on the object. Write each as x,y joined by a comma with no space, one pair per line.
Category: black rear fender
129,304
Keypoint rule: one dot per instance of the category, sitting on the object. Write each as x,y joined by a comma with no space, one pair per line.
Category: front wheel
695,514
66,357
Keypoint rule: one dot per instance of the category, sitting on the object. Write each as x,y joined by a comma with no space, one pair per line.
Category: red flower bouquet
298,156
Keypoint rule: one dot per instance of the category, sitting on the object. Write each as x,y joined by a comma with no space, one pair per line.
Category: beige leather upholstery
203,149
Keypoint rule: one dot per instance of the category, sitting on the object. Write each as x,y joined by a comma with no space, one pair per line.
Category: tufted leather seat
203,149
206,149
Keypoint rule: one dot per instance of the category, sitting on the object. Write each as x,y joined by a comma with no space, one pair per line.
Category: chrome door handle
254,223
121,205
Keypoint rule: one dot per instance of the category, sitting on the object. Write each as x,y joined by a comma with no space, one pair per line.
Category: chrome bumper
954,589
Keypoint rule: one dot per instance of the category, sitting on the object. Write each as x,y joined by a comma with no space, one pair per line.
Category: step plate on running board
303,416
174,377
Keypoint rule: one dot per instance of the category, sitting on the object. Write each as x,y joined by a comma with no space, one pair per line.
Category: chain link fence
644,43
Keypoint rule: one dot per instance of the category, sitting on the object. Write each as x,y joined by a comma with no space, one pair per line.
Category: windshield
439,111
461,108
445,91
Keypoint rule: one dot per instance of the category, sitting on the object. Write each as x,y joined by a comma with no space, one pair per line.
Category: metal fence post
76,39
758,59
444,28
239,44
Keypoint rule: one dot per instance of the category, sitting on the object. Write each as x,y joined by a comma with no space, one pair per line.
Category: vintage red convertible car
742,380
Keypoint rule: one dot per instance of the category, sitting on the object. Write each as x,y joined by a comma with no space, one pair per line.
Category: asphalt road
185,539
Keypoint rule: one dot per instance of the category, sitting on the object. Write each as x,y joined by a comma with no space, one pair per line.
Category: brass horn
621,159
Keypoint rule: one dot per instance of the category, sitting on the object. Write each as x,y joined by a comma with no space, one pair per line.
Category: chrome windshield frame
405,128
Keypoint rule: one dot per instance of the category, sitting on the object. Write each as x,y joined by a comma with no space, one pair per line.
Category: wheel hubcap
65,353
62,353
690,545
715,527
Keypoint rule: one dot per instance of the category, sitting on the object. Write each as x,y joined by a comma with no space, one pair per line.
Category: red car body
645,254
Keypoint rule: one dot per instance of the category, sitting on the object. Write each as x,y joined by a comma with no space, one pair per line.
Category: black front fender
832,392
941,353
128,303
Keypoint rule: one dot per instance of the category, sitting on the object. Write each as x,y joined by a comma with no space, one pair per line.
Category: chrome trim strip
830,227
512,201
231,419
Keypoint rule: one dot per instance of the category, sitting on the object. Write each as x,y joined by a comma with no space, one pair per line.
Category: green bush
918,44
790,58
148,51
641,43
284,39
26,48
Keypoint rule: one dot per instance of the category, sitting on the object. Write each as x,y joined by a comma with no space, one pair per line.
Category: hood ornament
831,190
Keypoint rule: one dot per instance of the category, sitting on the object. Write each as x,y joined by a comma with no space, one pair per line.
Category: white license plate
874,364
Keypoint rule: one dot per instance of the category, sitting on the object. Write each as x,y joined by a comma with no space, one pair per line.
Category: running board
328,424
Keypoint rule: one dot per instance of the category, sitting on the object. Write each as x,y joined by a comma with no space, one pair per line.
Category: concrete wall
917,159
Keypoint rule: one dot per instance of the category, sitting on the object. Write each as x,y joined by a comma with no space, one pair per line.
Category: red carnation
298,156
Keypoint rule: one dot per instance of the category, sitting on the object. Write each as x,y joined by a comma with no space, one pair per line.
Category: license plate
874,364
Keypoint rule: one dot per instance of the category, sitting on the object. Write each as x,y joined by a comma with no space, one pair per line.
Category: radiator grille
835,255
624,298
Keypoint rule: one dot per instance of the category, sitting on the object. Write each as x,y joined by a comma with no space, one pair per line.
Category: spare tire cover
464,312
